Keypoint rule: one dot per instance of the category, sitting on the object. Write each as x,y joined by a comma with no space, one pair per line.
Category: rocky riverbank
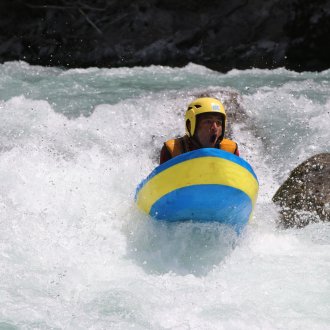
221,35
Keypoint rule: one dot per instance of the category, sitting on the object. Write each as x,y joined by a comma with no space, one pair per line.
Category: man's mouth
213,137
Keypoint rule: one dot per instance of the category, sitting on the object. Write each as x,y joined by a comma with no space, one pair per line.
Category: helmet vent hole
198,106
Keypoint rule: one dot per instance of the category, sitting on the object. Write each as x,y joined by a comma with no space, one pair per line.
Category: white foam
74,251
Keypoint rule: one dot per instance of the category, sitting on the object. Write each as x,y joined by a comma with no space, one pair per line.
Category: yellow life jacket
181,145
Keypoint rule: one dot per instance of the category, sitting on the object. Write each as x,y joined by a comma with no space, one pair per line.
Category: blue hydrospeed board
202,185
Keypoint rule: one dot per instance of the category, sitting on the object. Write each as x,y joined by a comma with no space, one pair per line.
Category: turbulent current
75,253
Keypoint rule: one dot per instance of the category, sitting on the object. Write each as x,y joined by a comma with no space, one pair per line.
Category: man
205,128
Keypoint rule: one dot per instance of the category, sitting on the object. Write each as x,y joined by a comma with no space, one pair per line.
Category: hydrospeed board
202,185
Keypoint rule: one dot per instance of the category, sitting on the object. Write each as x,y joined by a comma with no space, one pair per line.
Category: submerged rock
305,196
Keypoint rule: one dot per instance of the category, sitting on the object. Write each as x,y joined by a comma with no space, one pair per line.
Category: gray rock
305,196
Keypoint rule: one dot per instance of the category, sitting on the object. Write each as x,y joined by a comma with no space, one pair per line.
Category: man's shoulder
175,141
177,138
177,145
229,145
229,141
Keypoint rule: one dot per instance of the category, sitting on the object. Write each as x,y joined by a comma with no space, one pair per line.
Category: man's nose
214,125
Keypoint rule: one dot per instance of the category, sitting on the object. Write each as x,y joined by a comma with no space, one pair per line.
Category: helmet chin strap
213,138
217,142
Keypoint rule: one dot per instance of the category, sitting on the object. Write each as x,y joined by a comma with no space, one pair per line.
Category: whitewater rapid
75,253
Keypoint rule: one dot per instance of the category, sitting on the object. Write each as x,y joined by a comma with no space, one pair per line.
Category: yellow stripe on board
203,170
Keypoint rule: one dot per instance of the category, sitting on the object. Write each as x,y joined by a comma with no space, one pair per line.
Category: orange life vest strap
179,146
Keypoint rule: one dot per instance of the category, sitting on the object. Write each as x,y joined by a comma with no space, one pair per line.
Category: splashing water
75,252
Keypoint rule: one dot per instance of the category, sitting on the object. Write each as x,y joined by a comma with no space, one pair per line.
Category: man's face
209,129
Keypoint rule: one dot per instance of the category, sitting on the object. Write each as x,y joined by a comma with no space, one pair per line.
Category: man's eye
209,122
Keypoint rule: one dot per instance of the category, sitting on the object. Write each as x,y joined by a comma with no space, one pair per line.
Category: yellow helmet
203,105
